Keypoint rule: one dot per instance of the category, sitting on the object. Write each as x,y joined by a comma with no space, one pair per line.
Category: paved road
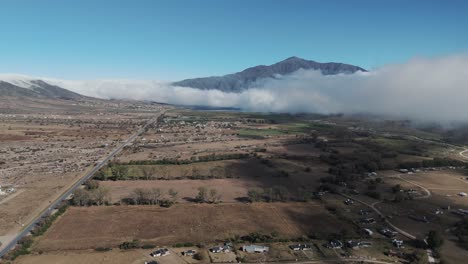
77,184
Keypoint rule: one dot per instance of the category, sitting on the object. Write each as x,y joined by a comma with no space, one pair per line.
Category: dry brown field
85,228
46,145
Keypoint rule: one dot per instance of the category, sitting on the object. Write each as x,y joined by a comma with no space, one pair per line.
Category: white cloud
434,89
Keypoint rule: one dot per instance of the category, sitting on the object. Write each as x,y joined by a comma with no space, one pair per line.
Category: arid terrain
197,179
47,145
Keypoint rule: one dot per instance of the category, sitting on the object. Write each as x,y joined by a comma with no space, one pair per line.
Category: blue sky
171,40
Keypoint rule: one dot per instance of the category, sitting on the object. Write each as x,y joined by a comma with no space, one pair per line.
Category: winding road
462,153
29,227
382,216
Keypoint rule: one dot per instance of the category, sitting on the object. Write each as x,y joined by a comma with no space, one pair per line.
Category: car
349,202
160,252
189,252
300,247
334,244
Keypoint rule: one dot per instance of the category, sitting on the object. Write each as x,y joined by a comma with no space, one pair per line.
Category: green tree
435,239
119,172
396,188
255,194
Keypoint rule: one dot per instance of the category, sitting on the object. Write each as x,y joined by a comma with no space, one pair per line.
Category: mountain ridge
239,81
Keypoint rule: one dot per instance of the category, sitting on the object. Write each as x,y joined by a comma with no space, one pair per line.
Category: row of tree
275,194
87,197
206,195
154,196
436,162
194,159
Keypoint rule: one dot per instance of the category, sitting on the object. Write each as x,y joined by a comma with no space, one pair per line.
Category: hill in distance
243,80
25,87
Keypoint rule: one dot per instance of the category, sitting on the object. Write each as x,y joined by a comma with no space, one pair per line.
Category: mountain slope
34,88
243,80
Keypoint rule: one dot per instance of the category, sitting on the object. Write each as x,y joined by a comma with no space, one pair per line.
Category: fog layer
434,89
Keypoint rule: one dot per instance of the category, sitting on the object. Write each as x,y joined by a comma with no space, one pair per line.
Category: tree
399,197
202,194
119,172
81,197
139,196
101,195
255,194
280,193
91,184
268,193
173,194
396,188
213,196
435,239
419,256
155,195
147,171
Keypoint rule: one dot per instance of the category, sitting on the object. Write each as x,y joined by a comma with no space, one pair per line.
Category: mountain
245,79
22,86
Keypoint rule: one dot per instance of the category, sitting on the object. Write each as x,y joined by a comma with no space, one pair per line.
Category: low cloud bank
422,89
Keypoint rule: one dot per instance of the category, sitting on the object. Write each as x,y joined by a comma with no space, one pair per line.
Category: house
300,247
352,244
255,249
365,244
334,244
189,252
160,252
220,249
397,243
368,221
388,233
364,212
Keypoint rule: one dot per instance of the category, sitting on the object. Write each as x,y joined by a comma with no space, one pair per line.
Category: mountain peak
294,58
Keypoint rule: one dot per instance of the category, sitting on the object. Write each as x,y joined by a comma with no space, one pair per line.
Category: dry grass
84,228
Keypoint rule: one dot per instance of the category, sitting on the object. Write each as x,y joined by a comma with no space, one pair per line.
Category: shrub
187,244
129,244
148,246
102,249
